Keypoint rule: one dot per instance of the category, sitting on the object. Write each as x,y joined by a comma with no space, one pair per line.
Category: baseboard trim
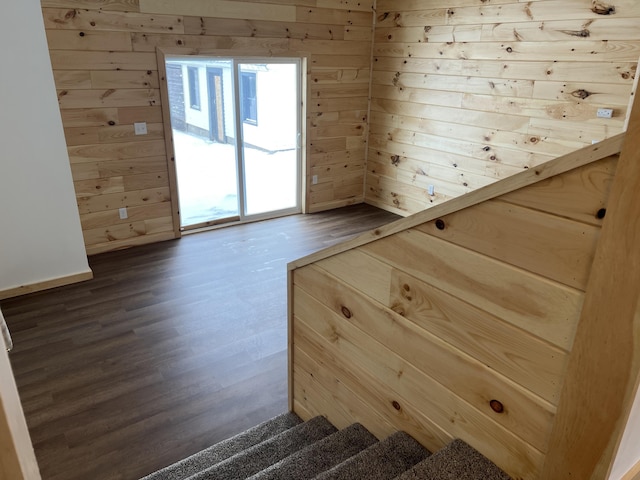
633,474
46,285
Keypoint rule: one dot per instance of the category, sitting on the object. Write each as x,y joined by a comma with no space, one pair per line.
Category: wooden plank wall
106,71
466,92
460,327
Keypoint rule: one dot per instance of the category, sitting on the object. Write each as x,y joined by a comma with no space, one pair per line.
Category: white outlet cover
140,128
123,213
604,113
314,180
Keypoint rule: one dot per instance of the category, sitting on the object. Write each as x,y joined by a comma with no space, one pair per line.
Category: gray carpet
320,456
285,448
456,461
227,448
381,461
254,459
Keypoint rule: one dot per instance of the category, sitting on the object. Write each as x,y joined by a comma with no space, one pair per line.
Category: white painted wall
41,239
629,450
277,109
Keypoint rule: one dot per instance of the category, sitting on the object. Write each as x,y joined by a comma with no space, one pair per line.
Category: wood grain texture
162,354
604,365
528,76
108,76
408,385
17,458
472,301
528,416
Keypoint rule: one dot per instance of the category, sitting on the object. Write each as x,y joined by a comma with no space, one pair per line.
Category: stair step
258,457
382,461
456,461
322,455
227,448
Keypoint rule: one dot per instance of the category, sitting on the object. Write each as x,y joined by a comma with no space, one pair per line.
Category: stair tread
382,461
320,456
456,461
226,448
258,457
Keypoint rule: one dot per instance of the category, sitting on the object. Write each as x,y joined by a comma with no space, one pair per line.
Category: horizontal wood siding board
409,385
547,170
105,65
330,370
118,5
92,20
545,67
526,414
554,247
328,392
579,194
259,28
532,363
544,308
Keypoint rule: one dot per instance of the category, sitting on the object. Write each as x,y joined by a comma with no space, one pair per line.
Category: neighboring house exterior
202,97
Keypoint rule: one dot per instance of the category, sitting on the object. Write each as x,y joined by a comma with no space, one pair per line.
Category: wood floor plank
169,349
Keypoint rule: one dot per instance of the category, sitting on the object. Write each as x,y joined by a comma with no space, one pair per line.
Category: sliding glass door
236,129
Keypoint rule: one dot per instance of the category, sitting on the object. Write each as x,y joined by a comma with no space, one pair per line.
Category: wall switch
431,190
604,113
123,213
314,180
140,128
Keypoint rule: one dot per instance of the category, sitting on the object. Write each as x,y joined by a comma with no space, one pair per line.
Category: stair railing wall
460,321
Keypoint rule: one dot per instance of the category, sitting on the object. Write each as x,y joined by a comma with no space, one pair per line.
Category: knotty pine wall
466,92
103,54
459,325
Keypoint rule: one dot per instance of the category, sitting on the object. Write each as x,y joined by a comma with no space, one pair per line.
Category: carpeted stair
285,448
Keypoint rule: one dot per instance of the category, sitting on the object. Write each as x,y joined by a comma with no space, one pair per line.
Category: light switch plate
140,128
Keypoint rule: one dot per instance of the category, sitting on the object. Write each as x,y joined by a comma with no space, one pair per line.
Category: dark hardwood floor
169,349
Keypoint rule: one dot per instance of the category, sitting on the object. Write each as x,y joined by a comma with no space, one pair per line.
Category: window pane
194,88
249,100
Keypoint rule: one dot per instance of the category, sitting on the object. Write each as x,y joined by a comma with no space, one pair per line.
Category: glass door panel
269,116
201,100
235,127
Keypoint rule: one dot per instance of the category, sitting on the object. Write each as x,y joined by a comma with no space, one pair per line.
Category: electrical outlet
140,128
314,180
123,213
604,113
431,190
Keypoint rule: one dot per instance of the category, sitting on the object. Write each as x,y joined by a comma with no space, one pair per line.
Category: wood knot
440,225
600,8
509,49
395,160
496,406
581,94
81,34
396,405
601,213
111,122
346,312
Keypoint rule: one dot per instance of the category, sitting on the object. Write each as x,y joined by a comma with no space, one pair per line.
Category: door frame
216,110
238,57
